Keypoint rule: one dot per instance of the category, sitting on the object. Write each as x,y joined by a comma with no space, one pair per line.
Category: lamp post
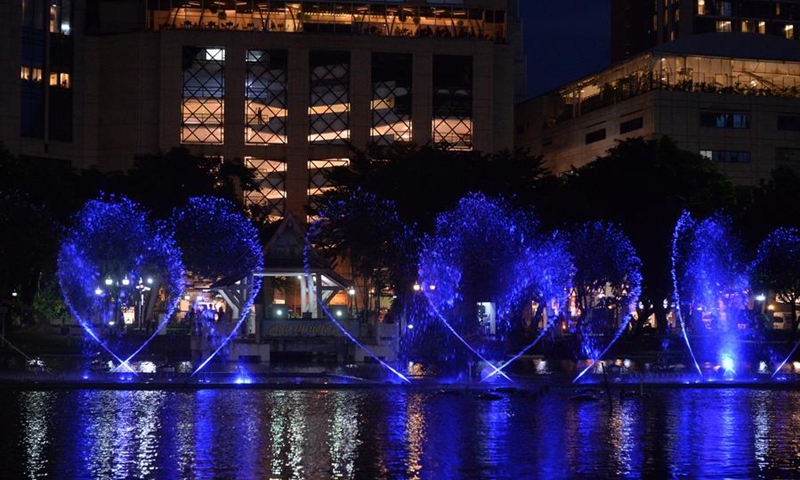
142,287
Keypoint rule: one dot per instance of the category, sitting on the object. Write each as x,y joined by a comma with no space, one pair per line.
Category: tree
772,204
425,181
643,185
28,250
217,240
711,271
165,181
777,267
607,279
365,231
110,246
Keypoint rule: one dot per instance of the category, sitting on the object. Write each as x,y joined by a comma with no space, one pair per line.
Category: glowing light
727,364
411,326
98,291
109,281
351,292
126,281
14,293
416,287
431,287
338,313
761,297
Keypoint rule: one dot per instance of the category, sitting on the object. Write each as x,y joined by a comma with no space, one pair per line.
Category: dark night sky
564,40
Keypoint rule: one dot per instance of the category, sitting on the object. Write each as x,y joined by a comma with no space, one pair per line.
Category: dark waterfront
397,433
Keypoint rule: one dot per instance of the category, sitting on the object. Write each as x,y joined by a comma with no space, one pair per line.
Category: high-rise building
733,98
637,25
284,86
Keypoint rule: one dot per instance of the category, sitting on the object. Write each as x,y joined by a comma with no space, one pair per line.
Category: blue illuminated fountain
220,243
606,286
711,289
483,262
109,255
364,218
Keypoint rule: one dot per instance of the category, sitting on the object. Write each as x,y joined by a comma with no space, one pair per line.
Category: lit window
762,27
701,7
215,54
789,30
706,154
64,80
53,79
54,19
25,73
724,26
36,75
203,106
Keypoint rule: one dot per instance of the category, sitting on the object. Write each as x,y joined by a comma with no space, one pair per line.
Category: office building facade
285,87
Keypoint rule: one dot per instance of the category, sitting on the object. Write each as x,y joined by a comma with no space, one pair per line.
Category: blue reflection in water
36,417
397,433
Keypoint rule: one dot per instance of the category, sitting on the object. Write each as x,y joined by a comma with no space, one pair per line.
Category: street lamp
142,288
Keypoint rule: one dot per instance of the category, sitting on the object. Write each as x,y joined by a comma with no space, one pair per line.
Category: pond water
397,433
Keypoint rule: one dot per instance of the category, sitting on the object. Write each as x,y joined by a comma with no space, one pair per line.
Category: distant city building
732,97
284,86
638,25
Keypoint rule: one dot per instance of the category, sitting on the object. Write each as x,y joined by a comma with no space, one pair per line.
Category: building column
360,97
422,98
297,128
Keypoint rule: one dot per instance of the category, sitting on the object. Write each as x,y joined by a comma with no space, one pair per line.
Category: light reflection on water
395,433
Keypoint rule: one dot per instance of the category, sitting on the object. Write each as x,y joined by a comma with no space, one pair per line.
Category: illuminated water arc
461,339
521,353
102,344
608,347
146,342
353,339
684,218
245,313
780,367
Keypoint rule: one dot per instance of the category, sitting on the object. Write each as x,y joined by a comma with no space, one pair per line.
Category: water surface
395,433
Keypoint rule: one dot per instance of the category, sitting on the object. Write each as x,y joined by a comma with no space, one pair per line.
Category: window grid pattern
452,102
203,105
391,98
271,194
329,113
318,182
265,104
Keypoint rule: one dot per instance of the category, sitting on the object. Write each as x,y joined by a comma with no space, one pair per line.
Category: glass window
595,136
329,111
25,73
631,125
266,108
270,198
452,101
789,31
391,98
724,120
789,123
724,26
203,105
726,156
